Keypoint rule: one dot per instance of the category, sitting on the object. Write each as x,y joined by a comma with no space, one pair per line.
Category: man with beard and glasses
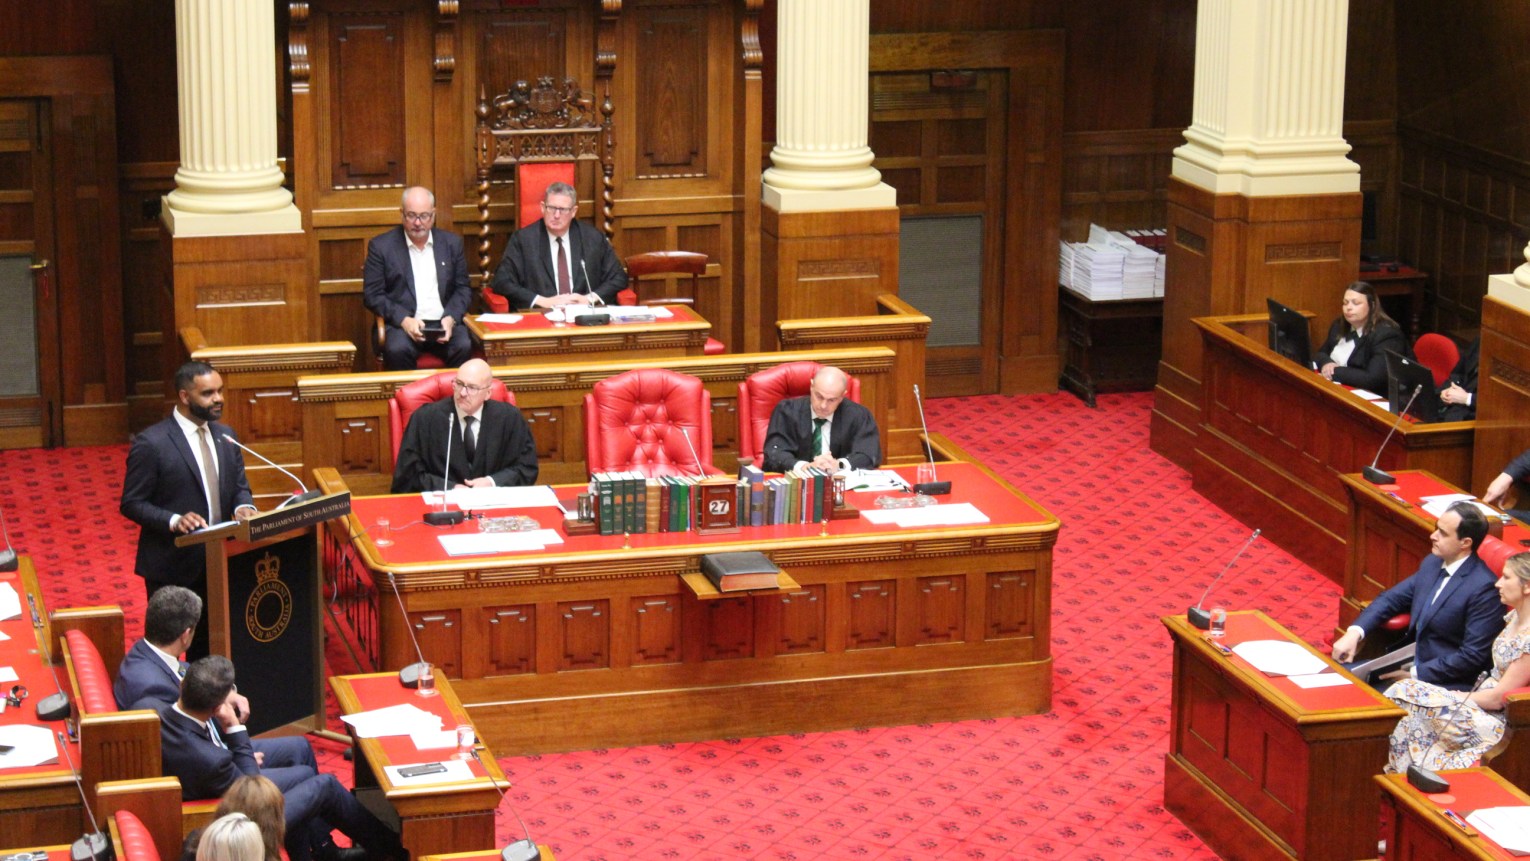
183,475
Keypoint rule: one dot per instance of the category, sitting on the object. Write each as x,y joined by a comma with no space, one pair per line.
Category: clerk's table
597,641
676,330
1417,827
1261,768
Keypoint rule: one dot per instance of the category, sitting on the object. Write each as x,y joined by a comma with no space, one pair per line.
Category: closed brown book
741,571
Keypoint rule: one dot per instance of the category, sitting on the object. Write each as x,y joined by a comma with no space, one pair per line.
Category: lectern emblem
269,609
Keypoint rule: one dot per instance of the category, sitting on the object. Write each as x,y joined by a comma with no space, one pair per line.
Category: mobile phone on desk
422,769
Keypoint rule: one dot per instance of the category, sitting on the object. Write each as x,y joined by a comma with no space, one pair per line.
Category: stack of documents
477,498
959,514
1110,265
29,745
1509,827
1279,657
405,719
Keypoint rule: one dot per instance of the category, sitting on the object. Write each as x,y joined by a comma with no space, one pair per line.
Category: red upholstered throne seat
408,398
137,844
91,676
639,421
759,394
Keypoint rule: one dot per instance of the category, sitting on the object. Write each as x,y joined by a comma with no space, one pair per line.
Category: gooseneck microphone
304,496
1200,618
93,846
589,289
1372,473
444,517
409,676
8,559
700,473
1423,778
524,849
928,488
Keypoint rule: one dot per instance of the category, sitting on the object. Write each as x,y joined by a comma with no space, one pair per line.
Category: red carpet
1084,782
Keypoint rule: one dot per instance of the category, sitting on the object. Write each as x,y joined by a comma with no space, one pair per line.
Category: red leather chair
135,841
531,181
653,264
406,399
634,421
1437,353
759,394
424,361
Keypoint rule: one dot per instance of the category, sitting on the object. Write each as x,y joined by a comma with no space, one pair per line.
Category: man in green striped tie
822,429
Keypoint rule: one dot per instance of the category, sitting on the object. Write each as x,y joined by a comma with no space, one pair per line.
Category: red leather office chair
406,399
759,394
638,421
136,843
652,266
1437,353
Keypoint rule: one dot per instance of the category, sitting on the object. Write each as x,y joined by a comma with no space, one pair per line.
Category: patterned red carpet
1083,782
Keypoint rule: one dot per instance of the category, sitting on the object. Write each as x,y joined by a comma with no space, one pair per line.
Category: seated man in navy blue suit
415,273
204,744
1456,611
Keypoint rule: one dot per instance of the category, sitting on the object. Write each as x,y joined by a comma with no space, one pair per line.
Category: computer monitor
1288,334
1403,376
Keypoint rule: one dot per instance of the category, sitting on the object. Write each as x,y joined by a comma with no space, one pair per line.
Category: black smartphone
421,769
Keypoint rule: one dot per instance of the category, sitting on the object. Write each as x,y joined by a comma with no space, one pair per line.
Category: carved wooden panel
727,626
439,633
1008,605
801,618
671,125
1116,179
361,442
342,259
584,635
512,639
655,626
519,44
873,607
270,415
547,429
725,423
940,612
367,100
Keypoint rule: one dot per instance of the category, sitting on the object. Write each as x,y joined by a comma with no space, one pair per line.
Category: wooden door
30,392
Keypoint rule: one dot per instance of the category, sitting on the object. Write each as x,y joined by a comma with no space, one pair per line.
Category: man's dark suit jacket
144,680
1464,374
163,480
387,287
1453,638
205,770
1367,365
528,270
504,451
789,436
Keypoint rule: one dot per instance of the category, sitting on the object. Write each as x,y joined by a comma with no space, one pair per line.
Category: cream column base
879,196
1507,289
182,223
1262,174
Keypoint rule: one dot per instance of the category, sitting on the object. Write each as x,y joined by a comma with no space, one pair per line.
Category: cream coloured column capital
821,161
228,182
1269,99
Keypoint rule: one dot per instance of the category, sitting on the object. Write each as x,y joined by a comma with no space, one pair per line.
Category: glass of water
382,534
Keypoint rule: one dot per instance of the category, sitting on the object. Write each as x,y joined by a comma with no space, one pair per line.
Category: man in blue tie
1455,609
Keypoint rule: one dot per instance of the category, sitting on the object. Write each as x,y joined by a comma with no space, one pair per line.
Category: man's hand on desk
1498,489
561,299
826,462
1345,647
484,481
1454,394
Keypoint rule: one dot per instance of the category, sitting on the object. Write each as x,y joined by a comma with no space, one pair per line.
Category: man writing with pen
822,429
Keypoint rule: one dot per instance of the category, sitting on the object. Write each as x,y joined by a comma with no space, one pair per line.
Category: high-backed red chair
541,130
408,398
640,421
1438,353
646,270
759,394
132,838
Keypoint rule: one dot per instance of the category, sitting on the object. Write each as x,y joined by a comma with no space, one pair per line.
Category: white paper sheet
10,603
874,479
8,674
506,319
1509,827
481,543
1368,394
1437,505
1279,657
1320,680
476,498
956,514
34,745
403,719
456,770
434,739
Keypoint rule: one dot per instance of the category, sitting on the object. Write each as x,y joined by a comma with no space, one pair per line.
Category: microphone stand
1200,618
524,849
1380,476
700,473
928,488
304,496
93,846
409,676
444,517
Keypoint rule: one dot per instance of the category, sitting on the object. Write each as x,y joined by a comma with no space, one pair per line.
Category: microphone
1423,778
444,517
1200,618
588,289
54,706
1381,476
409,676
9,561
93,846
928,488
296,497
524,849
700,473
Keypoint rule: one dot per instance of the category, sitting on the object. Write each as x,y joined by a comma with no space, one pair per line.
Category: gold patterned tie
210,477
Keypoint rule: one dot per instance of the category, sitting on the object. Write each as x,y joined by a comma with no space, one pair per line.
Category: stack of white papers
402,719
506,319
957,514
30,745
483,543
1137,268
1509,827
873,479
1110,265
1279,658
476,498
10,603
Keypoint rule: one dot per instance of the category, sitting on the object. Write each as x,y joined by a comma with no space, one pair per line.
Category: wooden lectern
264,609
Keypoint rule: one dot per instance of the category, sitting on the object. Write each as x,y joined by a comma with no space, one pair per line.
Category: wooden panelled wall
383,95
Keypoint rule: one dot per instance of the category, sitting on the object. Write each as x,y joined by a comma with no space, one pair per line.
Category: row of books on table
629,502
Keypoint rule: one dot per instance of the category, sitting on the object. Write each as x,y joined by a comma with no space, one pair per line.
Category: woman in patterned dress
1440,731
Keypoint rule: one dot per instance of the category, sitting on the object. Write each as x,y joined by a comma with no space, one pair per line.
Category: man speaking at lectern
182,476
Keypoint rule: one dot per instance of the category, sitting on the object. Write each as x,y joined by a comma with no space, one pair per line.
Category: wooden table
1112,346
433,818
38,805
1415,824
1275,437
684,333
597,642
1260,768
